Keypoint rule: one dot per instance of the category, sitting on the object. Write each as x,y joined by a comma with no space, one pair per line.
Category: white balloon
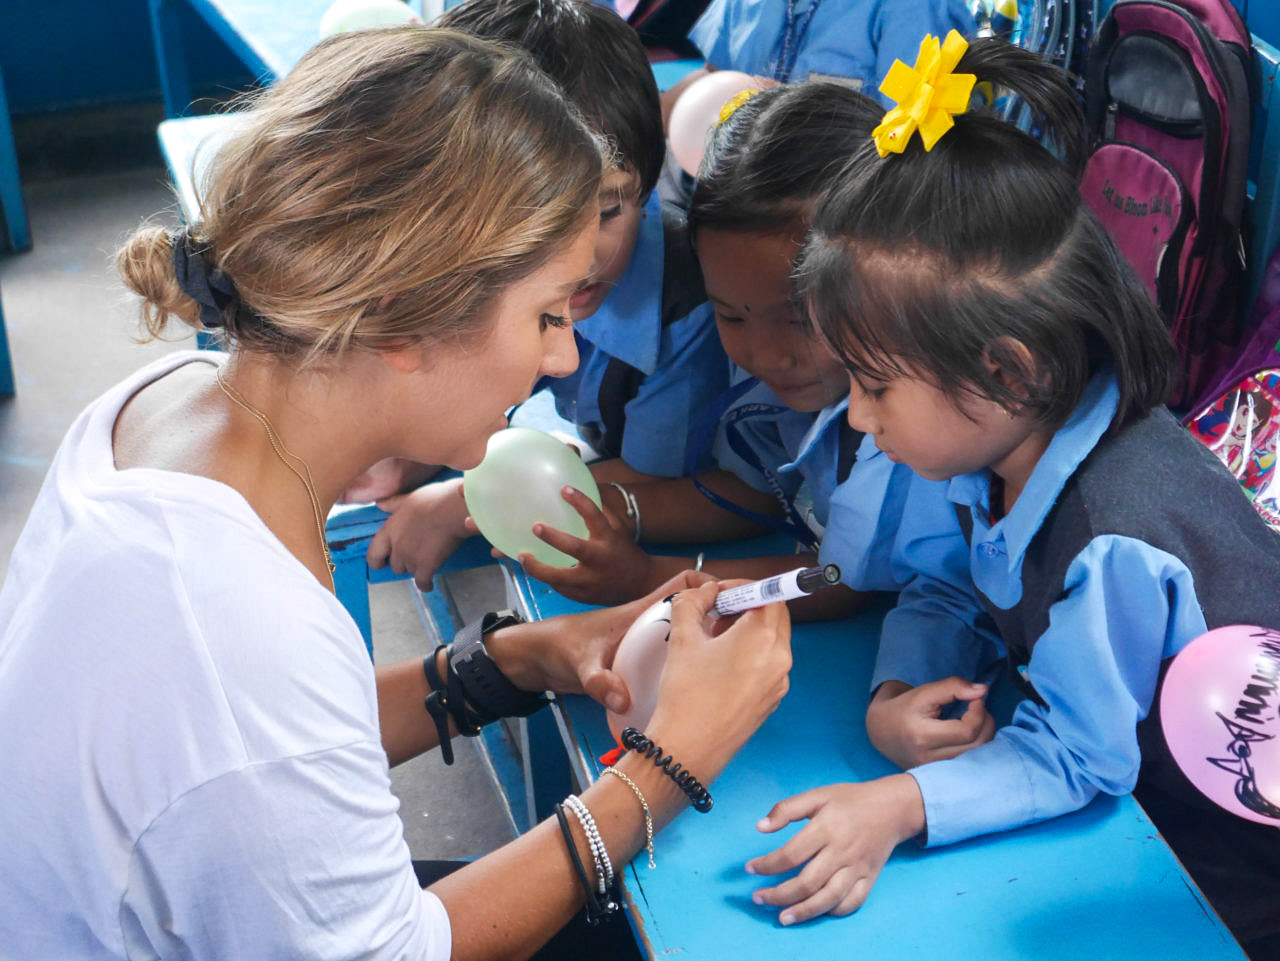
697,112
639,660
345,16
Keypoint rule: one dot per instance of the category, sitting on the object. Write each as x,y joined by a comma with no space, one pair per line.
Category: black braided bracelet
437,704
597,910
634,740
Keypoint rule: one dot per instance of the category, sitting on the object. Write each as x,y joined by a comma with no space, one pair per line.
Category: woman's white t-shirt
190,763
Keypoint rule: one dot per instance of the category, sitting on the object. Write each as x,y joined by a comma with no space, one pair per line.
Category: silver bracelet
633,508
604,868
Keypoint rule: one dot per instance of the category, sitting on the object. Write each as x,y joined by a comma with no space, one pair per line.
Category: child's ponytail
1054,104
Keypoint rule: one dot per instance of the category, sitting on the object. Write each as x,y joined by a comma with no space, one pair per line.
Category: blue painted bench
270,36
15,234
1099,883
6,366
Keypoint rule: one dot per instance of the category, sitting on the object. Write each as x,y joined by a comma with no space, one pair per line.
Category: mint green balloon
518,484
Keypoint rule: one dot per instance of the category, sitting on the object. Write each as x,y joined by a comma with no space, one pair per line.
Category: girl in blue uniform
788,459
996,340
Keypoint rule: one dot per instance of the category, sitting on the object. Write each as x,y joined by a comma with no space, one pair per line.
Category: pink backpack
1169,103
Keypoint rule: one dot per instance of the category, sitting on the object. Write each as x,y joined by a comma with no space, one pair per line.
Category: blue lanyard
792,524
794,31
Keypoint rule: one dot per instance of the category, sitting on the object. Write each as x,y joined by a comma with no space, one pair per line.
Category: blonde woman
195,747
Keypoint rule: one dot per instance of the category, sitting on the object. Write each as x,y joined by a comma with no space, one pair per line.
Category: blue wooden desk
1097,884
267,35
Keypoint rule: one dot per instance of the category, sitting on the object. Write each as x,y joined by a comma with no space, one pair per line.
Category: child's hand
852,830
424,528
611,569
388,477
905,724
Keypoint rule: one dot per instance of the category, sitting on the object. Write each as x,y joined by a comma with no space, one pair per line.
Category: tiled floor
71,323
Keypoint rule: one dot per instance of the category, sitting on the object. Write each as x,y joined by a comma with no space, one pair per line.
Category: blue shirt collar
1071,444
628,324
826,419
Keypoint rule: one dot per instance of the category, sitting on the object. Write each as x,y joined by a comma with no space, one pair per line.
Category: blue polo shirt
649,359
848,41
799,457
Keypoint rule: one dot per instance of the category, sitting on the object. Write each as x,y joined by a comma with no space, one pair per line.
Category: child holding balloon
781,435
996,339
649,359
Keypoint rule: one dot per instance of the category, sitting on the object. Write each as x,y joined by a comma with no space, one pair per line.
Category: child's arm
387,478
1096,666
611,568
907,726
935,645
424,528
1124,608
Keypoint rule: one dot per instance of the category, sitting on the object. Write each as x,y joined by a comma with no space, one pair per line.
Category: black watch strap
488,693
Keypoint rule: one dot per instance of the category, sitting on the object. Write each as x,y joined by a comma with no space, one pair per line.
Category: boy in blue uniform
650,360
649,357
997,341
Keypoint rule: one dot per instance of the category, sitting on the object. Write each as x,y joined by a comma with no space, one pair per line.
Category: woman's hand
905,723
852,830
611,569
424,528
719,683
573,653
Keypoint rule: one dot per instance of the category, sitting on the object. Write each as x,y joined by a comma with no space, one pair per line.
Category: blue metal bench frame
6,366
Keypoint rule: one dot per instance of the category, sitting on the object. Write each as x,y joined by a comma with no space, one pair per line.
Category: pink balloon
697,112
639,660
1218,710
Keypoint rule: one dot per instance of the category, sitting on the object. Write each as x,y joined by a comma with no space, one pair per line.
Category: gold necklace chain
284,453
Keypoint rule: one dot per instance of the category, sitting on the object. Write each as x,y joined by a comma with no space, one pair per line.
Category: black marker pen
781,587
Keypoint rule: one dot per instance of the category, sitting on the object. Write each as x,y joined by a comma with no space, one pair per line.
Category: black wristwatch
489,694
474,691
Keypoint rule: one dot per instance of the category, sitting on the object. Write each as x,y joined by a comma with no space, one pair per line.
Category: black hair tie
634,739
204,283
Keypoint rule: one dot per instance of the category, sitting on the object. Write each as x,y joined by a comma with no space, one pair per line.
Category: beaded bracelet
634,739
604,867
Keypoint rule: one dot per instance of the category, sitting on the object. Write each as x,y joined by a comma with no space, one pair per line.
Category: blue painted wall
63,54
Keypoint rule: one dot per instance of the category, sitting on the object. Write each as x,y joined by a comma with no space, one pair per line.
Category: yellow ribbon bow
927,95
733,103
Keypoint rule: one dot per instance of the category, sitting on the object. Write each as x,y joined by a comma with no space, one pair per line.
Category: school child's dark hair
938,260
776,153
597,59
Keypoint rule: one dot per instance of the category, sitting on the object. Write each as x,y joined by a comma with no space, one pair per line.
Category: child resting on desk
649,356
995,338
782,425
